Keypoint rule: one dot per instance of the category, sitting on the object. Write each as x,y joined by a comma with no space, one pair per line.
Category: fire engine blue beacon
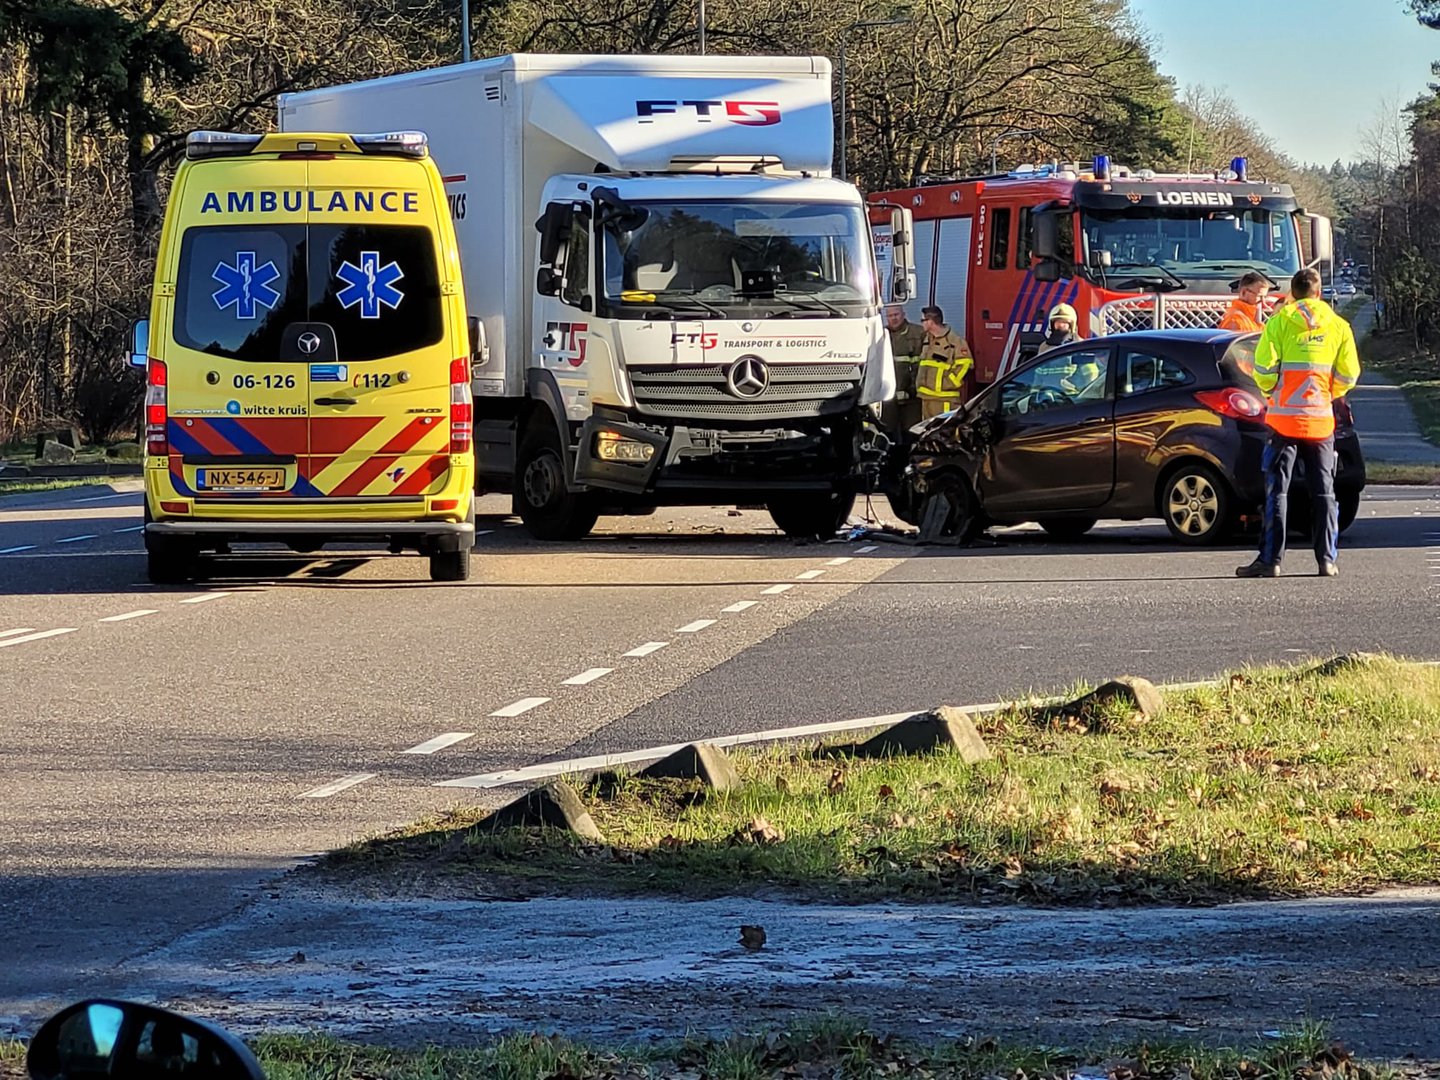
245,285
370,285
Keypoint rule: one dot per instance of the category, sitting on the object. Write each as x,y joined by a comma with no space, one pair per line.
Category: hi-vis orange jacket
1305,359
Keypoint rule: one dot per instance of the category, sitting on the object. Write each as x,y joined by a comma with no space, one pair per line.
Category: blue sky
1349,54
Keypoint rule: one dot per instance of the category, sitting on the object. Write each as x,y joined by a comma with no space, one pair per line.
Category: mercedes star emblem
748,377
309,342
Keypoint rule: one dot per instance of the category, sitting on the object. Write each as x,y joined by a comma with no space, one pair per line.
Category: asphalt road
166,750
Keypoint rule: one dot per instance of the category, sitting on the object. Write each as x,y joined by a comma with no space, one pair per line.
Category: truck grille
698,393
1152,312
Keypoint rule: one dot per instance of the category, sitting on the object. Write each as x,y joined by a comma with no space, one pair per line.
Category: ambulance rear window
239,286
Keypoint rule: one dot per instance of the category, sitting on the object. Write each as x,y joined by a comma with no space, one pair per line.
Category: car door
1053,449
379,370
1151,407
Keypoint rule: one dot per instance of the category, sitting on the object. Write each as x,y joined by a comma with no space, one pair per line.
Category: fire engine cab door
380,370
999,277
1054,448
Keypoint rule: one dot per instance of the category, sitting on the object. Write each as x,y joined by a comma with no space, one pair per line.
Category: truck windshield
695,254
1207,249
239,286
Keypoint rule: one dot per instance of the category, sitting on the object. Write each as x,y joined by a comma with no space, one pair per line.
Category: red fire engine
1127,249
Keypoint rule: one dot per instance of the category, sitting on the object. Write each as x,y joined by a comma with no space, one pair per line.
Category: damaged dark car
1161,423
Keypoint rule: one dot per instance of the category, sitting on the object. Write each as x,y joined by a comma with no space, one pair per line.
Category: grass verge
41,484
1415,371
1385,473
825,1048
1285,782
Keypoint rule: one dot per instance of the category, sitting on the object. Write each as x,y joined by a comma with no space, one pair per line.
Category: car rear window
239,286
1237,365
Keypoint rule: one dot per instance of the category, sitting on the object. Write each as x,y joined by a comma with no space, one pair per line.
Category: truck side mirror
1317,239
1102,259
548,281
554,226
140,343
902,254
1045,243
1046,270
479,351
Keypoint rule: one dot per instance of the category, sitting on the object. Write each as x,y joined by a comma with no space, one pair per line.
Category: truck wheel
549,510
812,514
450,565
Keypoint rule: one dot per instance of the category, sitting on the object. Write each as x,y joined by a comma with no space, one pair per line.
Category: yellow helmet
1062,311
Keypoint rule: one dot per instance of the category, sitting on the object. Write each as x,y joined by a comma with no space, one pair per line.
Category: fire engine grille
795,391
1161,313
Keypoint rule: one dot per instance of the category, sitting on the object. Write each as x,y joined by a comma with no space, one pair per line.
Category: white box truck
679,305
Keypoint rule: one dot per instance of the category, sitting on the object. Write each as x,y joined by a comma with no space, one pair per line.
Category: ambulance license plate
240,479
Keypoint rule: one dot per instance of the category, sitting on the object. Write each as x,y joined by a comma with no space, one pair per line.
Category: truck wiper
796,302
1159,270
689,303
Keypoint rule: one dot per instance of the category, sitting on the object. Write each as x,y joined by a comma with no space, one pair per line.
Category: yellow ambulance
307,354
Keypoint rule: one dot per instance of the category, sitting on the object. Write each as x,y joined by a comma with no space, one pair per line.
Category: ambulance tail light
156,409
462,407
406,143
208,144
1232,402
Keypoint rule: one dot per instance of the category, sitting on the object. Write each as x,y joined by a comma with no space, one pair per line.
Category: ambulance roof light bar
208,144
407,143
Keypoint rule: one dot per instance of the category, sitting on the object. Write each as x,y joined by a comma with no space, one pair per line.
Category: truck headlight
612,446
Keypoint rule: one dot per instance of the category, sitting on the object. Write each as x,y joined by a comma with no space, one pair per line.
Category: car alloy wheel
1193,505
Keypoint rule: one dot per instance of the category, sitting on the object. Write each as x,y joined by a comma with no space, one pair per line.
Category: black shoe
1258,568
1328,569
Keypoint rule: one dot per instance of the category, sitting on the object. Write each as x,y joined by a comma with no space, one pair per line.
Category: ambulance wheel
549,509
812,514
450,565
169,561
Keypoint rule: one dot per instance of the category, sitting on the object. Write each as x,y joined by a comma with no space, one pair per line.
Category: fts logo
706,340
567,340
748,113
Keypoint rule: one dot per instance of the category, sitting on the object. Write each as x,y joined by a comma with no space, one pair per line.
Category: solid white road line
840,561
37,637
809,575
20,630
647,648
776,590
132,528
141,613
337,786
102,498
12,550
695,627
588,676
867,549
76,539
524,705
204,598
739,606
440,742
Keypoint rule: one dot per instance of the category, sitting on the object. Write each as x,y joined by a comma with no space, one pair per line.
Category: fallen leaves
752,937
758,830
837,781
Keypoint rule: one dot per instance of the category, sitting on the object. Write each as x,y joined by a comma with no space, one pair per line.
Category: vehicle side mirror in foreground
140,343
122,1040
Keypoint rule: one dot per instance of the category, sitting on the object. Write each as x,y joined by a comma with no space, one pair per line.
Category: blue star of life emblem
245,285
369,285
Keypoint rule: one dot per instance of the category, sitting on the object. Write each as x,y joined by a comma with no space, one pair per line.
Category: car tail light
156,409
1233,402
462,407
1343,416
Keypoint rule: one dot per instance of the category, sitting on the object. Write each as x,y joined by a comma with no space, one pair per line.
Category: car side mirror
103,1038
140,343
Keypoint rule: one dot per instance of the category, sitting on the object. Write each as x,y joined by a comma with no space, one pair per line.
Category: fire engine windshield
1204,249
747,258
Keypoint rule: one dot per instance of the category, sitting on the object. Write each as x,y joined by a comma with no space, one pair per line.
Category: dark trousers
1277,463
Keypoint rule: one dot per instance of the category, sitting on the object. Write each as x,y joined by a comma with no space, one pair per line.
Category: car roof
1198,336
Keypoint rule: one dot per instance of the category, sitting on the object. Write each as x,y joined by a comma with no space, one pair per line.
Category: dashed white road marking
204,598
20,630
841,561
12,550
867,549
517,708
132,528
440,742
337,786
587,677
809,575
102,498
76,539
647,648
739,606
695,627
483,532
776,590
37,636
137,614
